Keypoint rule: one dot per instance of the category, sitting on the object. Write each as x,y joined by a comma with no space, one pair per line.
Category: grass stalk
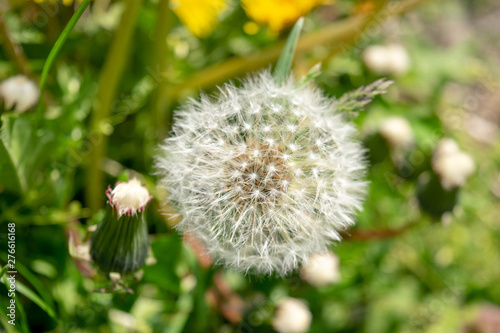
111,75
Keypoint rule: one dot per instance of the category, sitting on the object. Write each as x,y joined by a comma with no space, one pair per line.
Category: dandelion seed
283,206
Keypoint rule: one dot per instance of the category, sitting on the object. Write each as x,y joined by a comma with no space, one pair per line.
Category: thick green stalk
108,84
161,120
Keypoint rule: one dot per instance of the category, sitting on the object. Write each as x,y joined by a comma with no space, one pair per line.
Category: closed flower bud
438,191
19,92
120,243
321,270
391,59
265,175
292,316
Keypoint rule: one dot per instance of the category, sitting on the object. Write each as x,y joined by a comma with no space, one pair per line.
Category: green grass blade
4,269
32,279
55,50
4,320
32,296
21,314
284,64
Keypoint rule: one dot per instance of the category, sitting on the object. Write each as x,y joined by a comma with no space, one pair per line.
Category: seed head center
259,175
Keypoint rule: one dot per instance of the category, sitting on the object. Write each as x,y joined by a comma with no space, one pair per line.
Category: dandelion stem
362,235
160,101
13,50
108,84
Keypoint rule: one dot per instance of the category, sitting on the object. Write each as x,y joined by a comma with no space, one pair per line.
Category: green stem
55,50
161,120
108,84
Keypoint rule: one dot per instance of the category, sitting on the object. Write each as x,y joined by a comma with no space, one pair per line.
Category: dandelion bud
19,92
120,243
397,132
452,165
292,316
321,270
390,59
265,175
438,191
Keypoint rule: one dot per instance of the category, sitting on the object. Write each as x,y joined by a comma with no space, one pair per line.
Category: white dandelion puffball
128,198
19,92
292,316
265,175
321,270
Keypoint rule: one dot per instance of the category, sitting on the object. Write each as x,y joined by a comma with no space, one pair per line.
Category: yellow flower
278,14
199,16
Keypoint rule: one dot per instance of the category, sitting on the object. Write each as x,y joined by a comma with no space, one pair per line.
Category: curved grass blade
284,64
32,279
55,50
22,314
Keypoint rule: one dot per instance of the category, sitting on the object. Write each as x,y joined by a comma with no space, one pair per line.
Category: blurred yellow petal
199,16
277,14
251,28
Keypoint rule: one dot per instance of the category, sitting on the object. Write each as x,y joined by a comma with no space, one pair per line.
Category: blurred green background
109,99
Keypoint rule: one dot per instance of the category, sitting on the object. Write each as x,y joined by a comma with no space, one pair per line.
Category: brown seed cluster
259,175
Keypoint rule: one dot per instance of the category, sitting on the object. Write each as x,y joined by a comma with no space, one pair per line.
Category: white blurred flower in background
397,132
292,316
19,93
391,59
452,165
321,270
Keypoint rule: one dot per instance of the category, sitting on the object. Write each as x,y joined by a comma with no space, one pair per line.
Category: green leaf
56,48
9,179
284,64
167,251
25,150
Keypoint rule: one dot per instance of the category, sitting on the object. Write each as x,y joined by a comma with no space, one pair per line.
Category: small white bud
452,165
399,61
128,198
390,59
292,316
375,58
19,92
321,270
397,132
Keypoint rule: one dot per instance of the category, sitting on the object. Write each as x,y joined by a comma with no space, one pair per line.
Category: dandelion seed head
265,196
